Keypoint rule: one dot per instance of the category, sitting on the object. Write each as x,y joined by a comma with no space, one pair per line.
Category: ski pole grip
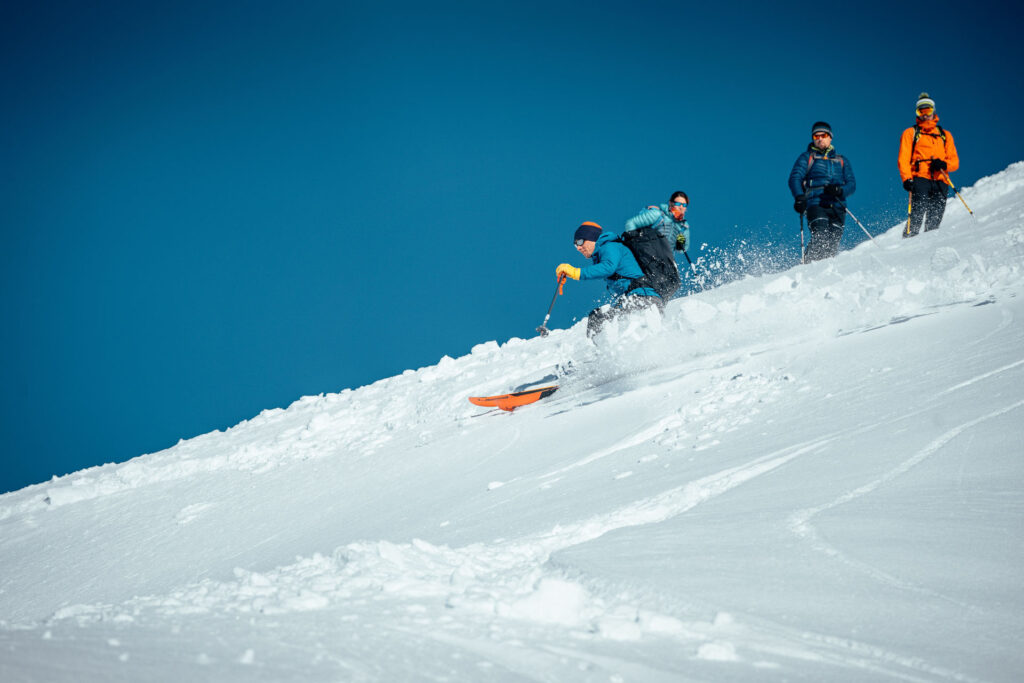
561,283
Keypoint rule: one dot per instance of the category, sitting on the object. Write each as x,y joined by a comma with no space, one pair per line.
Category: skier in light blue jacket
668,219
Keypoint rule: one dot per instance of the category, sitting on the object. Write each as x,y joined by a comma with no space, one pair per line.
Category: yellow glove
568,271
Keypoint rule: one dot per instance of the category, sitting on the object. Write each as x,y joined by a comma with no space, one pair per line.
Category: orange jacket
929,146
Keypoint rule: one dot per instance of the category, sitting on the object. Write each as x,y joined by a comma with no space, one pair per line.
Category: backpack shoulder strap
811,159
913,144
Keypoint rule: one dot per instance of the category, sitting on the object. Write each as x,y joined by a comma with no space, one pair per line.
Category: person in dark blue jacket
820,181
614,262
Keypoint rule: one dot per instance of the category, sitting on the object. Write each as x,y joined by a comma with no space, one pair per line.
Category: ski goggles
925,112
678,205
821,136
579,242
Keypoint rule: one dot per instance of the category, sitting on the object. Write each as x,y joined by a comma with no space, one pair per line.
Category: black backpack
656,260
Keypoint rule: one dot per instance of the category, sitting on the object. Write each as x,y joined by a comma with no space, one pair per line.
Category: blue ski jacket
814,169
661,219
612,258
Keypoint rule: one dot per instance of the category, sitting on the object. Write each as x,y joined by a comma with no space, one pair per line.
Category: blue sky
213,210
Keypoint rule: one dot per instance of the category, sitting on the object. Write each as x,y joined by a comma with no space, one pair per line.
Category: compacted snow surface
808,476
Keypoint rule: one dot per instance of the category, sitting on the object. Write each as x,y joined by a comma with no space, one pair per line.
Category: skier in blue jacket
668,219
614,262
820,181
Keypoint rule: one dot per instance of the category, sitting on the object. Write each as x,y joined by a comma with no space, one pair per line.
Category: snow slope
814,475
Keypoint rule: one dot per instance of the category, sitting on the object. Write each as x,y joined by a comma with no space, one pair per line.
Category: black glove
938,165
834,190
800,205
908,184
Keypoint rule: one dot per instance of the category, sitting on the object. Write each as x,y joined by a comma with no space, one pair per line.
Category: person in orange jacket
927,157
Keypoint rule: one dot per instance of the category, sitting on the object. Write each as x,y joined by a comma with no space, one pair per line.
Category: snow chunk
892,293
698,312
780,285
484,349
661,624
620,624
915,286
718,652
553,601
944,259
305,601
750,303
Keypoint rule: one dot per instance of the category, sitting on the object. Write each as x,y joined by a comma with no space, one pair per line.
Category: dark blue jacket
614,258
814,169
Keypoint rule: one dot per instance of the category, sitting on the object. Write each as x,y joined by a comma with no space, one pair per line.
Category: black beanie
588,232
821,127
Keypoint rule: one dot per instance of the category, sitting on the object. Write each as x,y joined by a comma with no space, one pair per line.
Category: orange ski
512,401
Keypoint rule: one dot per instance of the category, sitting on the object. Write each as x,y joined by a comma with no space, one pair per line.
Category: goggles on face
820,136
925,112
579,242
678,205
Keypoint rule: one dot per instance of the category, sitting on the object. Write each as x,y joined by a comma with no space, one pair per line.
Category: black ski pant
927,204
626,304
826,226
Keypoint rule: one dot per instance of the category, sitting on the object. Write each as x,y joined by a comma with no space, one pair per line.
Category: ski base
515,400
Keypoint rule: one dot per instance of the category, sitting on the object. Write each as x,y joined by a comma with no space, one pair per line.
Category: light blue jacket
610,259
661,219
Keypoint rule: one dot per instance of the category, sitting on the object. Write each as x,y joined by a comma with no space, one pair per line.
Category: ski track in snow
800,522
983,377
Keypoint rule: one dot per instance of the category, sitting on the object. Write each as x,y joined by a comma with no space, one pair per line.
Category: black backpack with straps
655,258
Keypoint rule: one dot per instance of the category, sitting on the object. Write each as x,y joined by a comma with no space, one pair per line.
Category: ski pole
693,268
802,251
543,330
950,182
910,201
862,227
